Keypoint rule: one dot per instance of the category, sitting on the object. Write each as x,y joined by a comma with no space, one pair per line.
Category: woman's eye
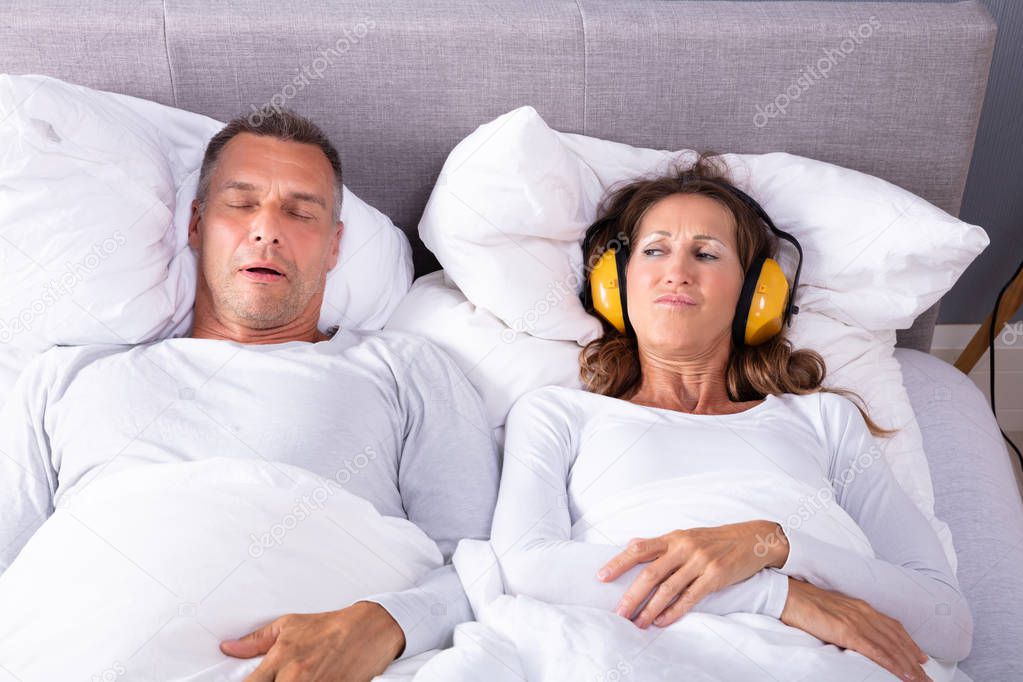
650,252
708,255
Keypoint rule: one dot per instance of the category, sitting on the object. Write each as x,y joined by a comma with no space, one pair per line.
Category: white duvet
520,638
141,573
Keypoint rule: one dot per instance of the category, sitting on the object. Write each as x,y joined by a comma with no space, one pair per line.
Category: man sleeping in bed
705,486
387,417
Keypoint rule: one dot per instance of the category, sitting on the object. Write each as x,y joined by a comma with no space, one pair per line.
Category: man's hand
684,566
854,624
355,643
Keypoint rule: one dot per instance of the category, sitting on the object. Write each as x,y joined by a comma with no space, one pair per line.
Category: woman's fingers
663,597
903,646
907,668
639,550
645,583
873,648
689,598
919,655
854,624
892,654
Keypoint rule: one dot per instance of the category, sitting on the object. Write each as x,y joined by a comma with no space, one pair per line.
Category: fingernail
659,621
603,573
621,611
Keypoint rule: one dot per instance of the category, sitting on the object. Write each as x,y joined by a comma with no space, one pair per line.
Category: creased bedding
142,572
517,637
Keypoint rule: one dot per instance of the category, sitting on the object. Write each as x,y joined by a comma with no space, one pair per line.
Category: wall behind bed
397,83
993,196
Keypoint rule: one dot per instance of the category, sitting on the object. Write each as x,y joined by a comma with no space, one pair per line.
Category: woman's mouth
675,300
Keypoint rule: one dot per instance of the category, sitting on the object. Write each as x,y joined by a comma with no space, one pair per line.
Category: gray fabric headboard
892,89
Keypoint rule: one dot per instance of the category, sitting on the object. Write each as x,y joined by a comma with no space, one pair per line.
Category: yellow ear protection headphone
765,303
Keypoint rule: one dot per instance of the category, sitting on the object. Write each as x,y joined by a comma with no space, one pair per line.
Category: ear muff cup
607,289
760,312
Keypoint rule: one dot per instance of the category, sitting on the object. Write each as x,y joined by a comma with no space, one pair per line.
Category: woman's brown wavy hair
610,364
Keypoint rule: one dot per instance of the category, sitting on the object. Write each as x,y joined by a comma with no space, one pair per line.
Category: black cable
991,358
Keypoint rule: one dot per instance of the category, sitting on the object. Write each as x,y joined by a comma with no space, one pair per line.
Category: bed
398,84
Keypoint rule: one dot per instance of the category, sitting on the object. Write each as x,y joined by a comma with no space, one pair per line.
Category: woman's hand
854,624
687,565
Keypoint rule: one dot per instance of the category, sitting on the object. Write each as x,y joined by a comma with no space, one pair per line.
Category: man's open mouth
263,273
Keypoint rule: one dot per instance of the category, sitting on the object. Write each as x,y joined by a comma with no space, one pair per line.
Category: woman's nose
678,272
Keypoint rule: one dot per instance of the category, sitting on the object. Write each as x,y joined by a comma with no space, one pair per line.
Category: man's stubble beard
263,309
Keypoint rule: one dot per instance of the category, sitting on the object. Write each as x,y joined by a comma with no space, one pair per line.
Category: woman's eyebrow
701,237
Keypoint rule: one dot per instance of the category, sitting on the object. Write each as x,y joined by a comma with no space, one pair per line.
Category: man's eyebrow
238,184
305,196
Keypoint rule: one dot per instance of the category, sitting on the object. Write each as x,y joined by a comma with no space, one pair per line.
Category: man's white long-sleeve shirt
388,415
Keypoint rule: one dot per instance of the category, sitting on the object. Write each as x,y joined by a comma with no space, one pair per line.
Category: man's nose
266,226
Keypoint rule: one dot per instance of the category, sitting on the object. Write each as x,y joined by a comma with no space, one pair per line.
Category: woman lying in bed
683,395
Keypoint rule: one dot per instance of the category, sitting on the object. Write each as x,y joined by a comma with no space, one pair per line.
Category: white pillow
515,197
501,364
95,194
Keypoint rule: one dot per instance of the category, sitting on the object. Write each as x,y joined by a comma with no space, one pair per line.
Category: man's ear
335,245
194,238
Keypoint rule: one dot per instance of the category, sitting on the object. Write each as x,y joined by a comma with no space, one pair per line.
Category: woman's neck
693,384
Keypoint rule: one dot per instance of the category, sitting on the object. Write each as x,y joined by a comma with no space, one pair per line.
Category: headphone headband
762,214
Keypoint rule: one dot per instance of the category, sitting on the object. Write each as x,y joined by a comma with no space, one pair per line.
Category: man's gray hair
282,124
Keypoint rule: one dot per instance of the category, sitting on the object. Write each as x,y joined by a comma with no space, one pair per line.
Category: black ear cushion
585,296
749,286
594,231
621,263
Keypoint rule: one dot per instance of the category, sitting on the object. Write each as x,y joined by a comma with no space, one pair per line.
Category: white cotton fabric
502,364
